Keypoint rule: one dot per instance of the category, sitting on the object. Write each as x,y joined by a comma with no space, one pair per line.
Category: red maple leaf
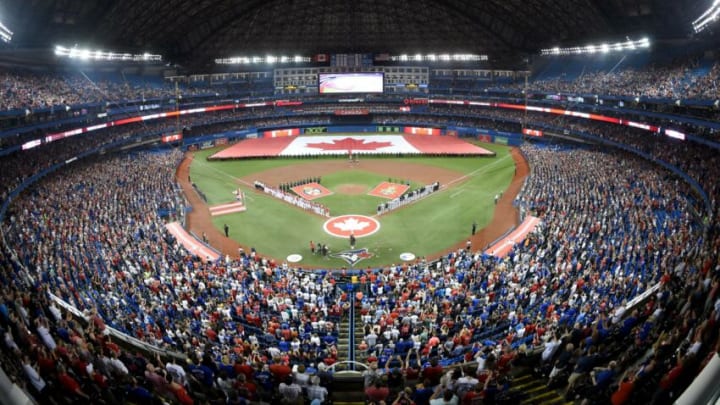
349,144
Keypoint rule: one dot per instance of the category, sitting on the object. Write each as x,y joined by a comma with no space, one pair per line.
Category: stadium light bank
90,55
710,15
629,45
268,59
5,33
442,57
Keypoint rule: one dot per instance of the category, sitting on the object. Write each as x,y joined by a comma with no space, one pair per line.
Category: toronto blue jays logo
353,256
390,190
313,191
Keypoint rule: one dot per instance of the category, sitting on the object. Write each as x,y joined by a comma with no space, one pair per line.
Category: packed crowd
117,261
23,90
20,165
28,90
612,226
677,81
595,251
190,121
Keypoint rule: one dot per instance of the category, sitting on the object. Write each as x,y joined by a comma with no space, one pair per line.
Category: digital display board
343,83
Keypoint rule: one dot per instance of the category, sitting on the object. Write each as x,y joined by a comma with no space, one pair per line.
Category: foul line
216,170
476,171
225,174
457,193
445,187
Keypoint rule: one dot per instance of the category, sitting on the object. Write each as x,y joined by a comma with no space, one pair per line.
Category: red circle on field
358,225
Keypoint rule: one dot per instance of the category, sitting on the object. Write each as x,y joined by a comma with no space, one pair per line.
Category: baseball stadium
368,202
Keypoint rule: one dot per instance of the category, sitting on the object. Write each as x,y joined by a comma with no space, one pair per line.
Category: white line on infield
457,193
444,187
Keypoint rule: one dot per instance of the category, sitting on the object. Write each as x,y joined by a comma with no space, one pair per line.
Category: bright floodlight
269,59
87,54
604,48
5,33
443,57
710,15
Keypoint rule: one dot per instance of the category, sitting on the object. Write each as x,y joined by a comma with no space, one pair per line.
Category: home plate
407,256
294,258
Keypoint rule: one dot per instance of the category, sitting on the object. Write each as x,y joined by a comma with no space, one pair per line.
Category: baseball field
425,228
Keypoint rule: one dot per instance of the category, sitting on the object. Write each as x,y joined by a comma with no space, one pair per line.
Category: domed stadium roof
200,30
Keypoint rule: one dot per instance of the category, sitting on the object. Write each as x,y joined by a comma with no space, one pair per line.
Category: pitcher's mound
351,189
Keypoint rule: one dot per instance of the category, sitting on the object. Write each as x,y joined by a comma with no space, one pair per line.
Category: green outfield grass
277,229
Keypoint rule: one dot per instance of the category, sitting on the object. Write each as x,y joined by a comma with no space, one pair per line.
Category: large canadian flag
345,144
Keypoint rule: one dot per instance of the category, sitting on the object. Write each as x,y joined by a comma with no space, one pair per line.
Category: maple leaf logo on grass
349,144
351,224
346,225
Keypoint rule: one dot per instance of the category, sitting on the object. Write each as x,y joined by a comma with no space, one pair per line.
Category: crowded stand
16,168
25,92
19,166
120,262
604,218
570,279
613,227
673,82
28,90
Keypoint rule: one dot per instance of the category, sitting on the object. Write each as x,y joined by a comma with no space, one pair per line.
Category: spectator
443,397
290,392
315,391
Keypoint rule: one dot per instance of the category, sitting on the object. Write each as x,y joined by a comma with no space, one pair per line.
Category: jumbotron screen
334,83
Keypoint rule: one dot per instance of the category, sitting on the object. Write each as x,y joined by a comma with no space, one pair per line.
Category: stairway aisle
343,343
534,391
360,356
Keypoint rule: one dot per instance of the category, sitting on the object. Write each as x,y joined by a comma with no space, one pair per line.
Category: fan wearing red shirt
69,383
472,396
667,382
247,388
433,373
280,372
377,392
241,367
